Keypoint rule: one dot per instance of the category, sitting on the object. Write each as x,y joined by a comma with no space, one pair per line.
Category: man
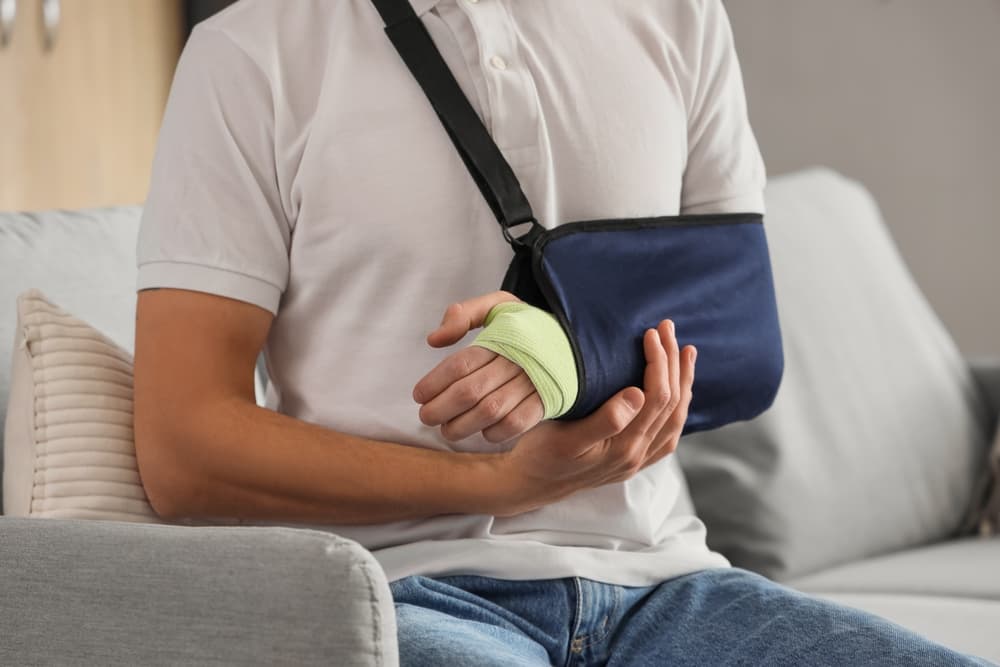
306,201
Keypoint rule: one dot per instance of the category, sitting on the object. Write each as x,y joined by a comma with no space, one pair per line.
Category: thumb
454,325
462,317
611,418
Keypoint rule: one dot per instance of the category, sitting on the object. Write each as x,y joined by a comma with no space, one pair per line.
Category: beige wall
903,96
79,119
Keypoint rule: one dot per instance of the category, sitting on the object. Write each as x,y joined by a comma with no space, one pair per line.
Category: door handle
8,12
50,19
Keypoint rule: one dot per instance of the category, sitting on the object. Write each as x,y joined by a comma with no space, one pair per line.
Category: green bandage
533,339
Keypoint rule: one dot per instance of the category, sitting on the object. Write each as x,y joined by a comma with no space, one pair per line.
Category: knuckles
469,393
633,459
491,408
513,424
619,418
661,399
461,365
517,422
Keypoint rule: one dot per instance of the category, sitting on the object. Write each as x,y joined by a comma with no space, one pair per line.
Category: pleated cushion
68,445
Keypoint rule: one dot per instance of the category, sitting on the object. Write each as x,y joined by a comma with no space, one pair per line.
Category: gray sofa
790,494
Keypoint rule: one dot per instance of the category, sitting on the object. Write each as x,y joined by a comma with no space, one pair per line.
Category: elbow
167,501
169,483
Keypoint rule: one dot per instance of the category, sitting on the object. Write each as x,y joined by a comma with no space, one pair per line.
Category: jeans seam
598,638
575,625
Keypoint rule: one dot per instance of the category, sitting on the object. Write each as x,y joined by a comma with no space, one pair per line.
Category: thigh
730,616
441,623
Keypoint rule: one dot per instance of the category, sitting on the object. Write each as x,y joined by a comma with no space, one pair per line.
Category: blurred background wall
904,96
82,89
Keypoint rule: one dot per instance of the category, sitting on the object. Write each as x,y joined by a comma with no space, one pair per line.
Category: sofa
860,484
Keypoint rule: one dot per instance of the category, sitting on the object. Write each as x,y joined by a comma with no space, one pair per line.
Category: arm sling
609,280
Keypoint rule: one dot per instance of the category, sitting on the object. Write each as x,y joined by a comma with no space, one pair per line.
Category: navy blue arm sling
607,281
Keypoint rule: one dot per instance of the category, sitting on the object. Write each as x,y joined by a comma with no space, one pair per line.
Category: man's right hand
206,450
633,429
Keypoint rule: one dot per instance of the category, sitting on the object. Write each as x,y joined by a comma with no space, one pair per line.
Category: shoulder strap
482,157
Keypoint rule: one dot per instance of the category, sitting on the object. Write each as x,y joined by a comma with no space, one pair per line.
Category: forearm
237,460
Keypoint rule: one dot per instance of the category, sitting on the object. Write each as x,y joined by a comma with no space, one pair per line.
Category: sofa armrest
108,593
986,371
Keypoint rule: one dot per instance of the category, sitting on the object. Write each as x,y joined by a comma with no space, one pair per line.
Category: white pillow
68,444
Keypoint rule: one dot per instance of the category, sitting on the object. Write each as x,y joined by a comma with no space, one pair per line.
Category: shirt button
498,62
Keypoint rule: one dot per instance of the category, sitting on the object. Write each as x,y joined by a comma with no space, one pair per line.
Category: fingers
656,388
464,394
521,419
610,419
667,386
613,444
495,413
451,370
666,441
668,338
462,317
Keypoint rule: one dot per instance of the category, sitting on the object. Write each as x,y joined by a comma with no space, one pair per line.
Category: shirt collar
422,6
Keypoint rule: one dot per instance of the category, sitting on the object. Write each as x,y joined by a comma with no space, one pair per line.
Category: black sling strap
482,157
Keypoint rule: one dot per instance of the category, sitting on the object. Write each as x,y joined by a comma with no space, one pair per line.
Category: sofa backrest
889,464
83,260
878,432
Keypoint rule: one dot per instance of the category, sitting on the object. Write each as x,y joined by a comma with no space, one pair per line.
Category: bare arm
205,449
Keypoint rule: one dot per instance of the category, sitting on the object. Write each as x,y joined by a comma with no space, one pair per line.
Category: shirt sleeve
213,219
725,171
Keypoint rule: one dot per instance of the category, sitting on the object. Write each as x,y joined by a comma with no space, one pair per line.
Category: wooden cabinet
79,116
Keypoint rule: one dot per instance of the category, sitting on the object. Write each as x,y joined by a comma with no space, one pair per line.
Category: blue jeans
722,616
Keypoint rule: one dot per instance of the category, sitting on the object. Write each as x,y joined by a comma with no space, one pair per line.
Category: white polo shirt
301,168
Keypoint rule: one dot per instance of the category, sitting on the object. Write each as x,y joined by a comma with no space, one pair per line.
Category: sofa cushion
69,443
878,431
85,260
969,567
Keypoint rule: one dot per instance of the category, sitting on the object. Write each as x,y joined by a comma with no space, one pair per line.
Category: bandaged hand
519,371
534,340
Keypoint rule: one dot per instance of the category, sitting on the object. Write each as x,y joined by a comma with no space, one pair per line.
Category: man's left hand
475,389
